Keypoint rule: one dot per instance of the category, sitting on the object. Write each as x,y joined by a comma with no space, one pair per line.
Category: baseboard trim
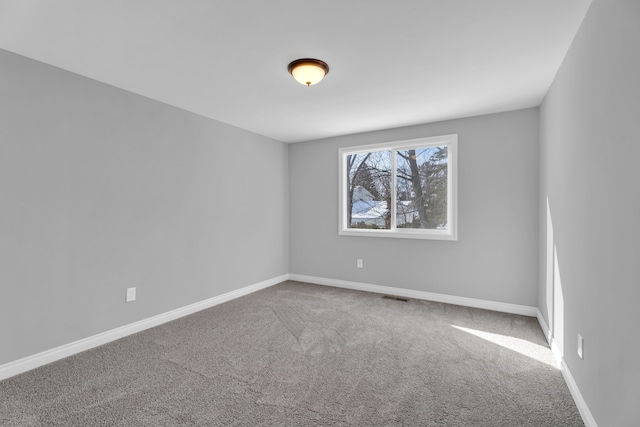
31,362
543,324
587,417
409,293
585,413
48,356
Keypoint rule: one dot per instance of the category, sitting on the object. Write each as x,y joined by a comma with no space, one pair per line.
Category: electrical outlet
580,346
131,294
359,263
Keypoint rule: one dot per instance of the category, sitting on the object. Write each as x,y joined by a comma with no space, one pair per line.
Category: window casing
405,189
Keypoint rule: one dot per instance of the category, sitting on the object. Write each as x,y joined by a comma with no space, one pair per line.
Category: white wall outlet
359,263
580,346
131,294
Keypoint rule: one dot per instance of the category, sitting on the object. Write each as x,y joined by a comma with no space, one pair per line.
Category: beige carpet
305,355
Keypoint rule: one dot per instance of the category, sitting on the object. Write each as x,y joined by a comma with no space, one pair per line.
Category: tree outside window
402,189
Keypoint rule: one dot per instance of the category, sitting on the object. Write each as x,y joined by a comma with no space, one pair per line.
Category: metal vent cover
396,298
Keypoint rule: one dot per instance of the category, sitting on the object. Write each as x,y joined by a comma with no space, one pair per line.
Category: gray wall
101,190
590,151
496,255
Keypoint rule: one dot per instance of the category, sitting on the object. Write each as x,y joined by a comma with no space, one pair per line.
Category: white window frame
451,233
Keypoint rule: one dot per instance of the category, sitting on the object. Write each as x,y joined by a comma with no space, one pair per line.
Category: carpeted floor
305,355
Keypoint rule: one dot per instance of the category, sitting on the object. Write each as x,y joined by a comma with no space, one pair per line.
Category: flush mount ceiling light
308,71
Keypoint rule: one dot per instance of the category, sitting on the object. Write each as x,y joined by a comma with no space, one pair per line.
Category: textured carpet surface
305,355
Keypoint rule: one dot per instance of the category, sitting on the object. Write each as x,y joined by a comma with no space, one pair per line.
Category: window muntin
400,189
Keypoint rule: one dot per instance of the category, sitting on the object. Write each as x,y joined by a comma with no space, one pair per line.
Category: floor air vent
395,298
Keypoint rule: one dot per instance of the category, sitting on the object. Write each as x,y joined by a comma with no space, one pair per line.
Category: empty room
347,213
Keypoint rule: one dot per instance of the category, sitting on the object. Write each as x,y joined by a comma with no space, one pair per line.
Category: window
400,189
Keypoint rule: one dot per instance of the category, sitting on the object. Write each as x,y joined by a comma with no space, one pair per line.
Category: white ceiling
393,62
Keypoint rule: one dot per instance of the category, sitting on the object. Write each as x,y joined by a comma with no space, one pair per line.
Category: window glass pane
369,190
421,185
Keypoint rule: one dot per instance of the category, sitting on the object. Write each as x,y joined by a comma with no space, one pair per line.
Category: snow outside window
400,189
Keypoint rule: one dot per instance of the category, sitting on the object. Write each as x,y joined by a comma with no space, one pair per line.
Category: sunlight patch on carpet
519,345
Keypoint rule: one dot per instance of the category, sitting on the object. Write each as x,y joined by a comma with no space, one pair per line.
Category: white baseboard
409,293
31,362
543,324
585,413
587,417
557,353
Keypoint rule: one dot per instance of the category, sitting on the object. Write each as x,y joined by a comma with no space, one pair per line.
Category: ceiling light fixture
308,71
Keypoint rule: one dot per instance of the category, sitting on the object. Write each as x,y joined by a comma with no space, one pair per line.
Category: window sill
402,234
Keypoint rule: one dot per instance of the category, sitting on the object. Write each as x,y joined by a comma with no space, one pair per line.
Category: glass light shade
308,71
308,74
